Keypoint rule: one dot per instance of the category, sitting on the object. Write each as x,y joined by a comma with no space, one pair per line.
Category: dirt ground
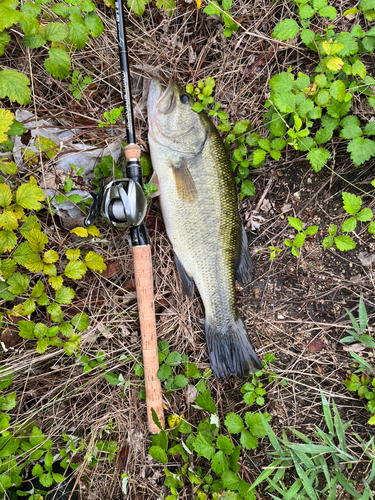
294,308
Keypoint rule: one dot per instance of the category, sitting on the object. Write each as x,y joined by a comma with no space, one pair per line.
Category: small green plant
319,465
79,84
352,205
361,384
111,117
213,8
106,168
299,239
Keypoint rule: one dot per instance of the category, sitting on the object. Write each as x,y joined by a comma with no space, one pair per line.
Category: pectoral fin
186,189
187,282
243,268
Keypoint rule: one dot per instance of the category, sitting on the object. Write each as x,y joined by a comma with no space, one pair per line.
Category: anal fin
186,280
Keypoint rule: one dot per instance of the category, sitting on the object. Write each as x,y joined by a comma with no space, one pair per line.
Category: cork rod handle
146,308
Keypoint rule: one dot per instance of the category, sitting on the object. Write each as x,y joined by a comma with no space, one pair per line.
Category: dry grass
287,307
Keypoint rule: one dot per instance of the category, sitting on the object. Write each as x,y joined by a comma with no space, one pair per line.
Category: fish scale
200,210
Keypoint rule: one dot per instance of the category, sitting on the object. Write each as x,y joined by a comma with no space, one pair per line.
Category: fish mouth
160,97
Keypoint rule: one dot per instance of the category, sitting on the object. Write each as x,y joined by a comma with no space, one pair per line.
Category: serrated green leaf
37,240
95,262
310,231
323,135
203,447
173,359
8,241
361,150
306,12
29,195
358,68
352,203
55,312
248,441
344,243
282,82
337,109
295,223
285,30
349,225
369,128
180,381
338,90
5,195
225,444
351,132
318,157
259,156
158,454
299,240
247,189
41,345
26,329
285,102
18,283
55,32
14,86
219,463
328,11
8,16
164,372
34,264
78,34
80,321
58,63
205,401
95,25
65,295
75,269
8,266
307,36
234,423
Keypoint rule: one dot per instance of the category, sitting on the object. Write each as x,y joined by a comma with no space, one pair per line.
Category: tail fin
230,350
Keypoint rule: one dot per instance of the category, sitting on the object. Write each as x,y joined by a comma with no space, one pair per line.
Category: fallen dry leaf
112,268
316,345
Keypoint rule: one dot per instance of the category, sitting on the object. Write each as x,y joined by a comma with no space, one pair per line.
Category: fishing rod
122,204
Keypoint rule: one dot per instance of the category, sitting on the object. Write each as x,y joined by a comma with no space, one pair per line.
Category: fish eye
184,99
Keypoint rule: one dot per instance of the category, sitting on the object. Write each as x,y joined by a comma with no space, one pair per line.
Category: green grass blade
300,435
327,412
362,315
321,460
305,480
265,474
314,449
293,490
272,436
354,321
276,487
347,487
339,428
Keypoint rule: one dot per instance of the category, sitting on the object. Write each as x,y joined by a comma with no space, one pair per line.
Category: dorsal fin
186,189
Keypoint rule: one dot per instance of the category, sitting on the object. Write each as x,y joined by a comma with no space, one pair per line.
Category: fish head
172,122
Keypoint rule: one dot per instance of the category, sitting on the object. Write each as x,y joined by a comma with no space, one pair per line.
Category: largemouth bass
199,207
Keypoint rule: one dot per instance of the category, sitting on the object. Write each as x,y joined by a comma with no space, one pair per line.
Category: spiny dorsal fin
186,189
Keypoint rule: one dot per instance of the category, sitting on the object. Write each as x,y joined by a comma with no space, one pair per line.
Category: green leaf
255,424
8,16
264,144
349,225
5,195
371,228
46,479
41,345
65,295
164,372
225,444
323,135
328,11
306,12
351,132
95,262
29,195
6,378
337,109
203,447
14,86
8,402
344,243
234,423
96,26
5,482
285,30
361,150
318,157
180,381
307,36
358,68
369,128
18,283
310,231
299,240
212,9
230,480
259,156
219,463
282,82
80,321
78,34
204,400
75,269
173,359
66,329
8,241
55,32
55,312
248,441
352,203
40,330
285,102
37,470
278,144
247,189
295,223
58,63
338,90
